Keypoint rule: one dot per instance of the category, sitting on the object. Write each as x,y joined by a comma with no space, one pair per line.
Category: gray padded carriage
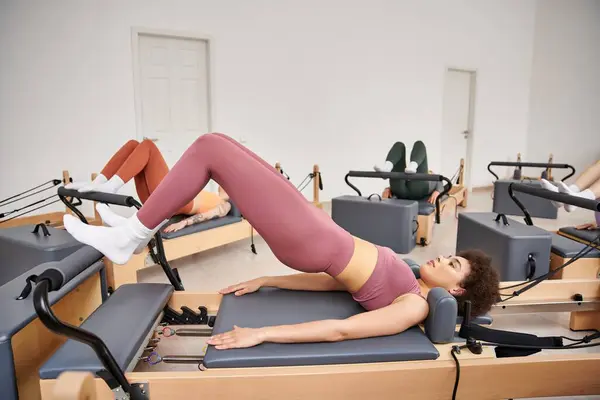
123,323
21,249
568,248
275,307
587,235
536,206
234,215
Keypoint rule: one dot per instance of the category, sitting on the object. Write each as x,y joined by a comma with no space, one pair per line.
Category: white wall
333,82
565,85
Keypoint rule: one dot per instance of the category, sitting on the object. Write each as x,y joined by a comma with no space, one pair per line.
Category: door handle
151,139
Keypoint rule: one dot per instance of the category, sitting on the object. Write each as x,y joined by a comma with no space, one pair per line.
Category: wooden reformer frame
481,376
548,170
316,181
457,195
54,219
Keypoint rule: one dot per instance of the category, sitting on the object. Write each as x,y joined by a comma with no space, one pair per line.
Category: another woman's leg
119,158
419,189
397,158
154,170
588,178
586,186
281,215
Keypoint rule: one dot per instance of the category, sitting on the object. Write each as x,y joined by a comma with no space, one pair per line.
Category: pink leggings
300,235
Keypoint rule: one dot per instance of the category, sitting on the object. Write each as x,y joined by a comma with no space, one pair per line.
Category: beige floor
212,270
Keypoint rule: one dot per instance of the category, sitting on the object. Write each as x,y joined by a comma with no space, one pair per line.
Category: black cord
54,182
455,350
27,212
6,214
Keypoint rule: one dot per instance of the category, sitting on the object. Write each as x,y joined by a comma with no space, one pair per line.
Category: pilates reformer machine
538,207
314,176
425,362
18,215
170,246
369,217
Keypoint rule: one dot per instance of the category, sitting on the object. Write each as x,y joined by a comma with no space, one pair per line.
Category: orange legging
145,164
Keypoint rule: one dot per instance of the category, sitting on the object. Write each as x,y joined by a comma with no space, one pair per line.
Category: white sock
117,243
586,194
111,186
108,216
549,186
574,188
412,168
387,167
100,179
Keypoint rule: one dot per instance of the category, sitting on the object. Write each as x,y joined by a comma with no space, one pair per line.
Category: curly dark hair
481,285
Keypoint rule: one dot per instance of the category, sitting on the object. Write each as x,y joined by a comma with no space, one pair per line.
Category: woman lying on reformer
144,163
409,190
304,238
587,186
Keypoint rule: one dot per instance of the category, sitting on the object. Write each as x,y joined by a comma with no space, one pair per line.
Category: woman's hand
433,197
176,226
238,338
244,287
586,227
387,193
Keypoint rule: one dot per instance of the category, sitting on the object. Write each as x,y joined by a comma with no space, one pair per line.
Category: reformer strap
52,275
507,338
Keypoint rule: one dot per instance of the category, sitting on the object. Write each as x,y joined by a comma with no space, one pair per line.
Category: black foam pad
587,235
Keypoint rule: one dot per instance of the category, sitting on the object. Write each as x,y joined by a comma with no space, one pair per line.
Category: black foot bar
576,201
405,176
50,321
66,196
532,165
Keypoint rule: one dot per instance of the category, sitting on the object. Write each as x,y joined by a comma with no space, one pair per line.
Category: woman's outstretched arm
410,310
218,212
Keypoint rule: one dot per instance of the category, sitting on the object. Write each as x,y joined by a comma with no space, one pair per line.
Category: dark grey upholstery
583,234
536,206
18,313
426,208
234,215
443,311
275,307
123,322
568,248
201,227
509,246
389,222
22,249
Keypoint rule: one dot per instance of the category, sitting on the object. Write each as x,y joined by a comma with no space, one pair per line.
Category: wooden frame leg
584,320
118,275
425,230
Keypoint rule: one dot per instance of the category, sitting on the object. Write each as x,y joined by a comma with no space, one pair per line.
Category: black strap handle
504,219
44,229
531,266
374,194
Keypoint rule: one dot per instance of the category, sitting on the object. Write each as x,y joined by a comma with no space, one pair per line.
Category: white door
173,86
457,121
